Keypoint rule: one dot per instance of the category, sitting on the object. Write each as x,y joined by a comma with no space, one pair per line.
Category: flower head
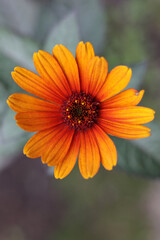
77,104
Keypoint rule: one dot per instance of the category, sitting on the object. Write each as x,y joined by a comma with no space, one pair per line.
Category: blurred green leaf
14,50
18,49
141,156
46,14
3,95
51,14
66,33
20,15
92,23
138,73
6,67
89,18
12,138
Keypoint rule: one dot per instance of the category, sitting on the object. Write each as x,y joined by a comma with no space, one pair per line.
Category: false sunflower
77,104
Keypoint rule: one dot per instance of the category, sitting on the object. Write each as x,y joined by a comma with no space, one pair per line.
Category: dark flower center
80,110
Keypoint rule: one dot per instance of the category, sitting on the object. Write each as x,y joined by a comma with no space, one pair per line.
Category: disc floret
80,111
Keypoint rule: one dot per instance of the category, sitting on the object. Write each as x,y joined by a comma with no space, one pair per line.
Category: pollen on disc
80,110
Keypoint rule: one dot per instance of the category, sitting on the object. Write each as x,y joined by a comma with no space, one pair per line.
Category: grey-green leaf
66,33
141,156
138,74
90,20
20,15
18,49
92,23
12,138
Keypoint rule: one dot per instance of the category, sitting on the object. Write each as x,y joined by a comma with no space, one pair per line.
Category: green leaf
12,138
92,23
20,15
36,18
6,67
138,73
66,33
140,156
18,49
13,51
51,14
3,96
89,18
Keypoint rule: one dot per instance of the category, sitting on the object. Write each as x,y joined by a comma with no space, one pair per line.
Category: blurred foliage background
113,205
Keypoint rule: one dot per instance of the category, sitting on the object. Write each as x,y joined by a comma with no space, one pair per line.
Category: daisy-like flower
77,104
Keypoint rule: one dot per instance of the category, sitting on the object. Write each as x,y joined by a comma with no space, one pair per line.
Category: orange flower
78,103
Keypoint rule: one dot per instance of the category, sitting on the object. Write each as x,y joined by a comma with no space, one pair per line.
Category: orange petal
63,168
96,73
49,69
58,147
69,66
34,84
84,53
127,131
38,143
129,97
20,102
89,156
131,115
106,147
36,121
116,81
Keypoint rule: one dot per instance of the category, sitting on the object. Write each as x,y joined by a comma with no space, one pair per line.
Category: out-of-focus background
113,205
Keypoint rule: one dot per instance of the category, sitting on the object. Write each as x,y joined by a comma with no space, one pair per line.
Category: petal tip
80,43
24,151
129,71
17,69
8,101
35,56
57,176
13,74
140,93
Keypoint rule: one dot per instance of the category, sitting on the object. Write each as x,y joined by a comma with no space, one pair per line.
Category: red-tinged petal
127,131
69,66
89,156
107,148
34,84
38,143
37,121
20,102
130,115
49,69
117,79
129,97
63,168
84,53
96,74
58,147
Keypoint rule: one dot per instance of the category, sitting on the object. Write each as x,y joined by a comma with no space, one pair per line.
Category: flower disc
80,111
